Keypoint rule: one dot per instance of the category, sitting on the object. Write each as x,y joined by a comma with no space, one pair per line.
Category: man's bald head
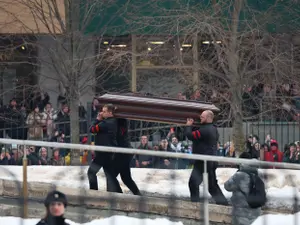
207,116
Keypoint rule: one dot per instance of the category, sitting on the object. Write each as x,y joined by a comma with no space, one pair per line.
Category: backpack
257,196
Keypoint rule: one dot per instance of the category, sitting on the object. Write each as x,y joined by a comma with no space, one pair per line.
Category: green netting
120,17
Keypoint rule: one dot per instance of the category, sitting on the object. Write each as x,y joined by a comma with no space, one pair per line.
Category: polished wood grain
162,110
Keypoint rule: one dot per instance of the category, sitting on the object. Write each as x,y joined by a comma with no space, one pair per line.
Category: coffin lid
201,106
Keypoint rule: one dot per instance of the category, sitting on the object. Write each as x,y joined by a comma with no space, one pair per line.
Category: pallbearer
105,127
205,140
121,162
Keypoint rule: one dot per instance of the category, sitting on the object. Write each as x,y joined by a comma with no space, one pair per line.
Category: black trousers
121,164
103,160
196,179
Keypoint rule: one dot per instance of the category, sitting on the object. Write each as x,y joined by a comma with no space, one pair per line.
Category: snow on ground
282,185
114,220
278,219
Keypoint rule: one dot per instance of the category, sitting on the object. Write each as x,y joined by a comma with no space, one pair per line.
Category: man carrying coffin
121,161
204,142
105,127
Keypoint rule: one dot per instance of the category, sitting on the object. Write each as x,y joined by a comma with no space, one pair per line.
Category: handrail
151,153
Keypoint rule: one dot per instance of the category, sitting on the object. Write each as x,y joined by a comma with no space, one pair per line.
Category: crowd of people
268,150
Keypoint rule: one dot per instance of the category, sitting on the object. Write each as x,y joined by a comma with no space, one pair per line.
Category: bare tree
69,50
237,50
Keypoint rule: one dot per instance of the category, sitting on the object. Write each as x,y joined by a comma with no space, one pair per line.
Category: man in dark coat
121,162
105,127
205,141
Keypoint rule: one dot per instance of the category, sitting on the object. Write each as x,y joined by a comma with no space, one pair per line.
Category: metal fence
23,195
284,132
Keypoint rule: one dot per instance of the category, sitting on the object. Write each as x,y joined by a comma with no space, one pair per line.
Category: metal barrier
204,158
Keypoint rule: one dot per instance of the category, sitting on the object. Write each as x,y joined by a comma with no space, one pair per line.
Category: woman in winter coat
50,115
35,122
55,203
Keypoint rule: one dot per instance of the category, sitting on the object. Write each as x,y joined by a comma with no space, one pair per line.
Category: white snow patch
282,185
114,220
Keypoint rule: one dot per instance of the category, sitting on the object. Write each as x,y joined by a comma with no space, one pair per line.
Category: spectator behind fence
33,158
5,158
50,115
255,151
274,155
17,155
264,148
56,159
35,122
63,121
43,154
291,155
144,161
163,162
13,120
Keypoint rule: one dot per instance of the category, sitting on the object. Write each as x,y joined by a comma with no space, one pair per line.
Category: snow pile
282,185
278,219
124,220
114,220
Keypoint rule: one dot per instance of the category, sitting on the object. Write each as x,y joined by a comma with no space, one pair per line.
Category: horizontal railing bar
150,153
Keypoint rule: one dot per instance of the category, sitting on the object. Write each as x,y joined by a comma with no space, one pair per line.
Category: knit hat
274,143
55,196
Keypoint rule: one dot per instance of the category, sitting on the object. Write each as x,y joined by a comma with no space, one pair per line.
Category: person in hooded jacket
274,155
55,203
121,162
238,184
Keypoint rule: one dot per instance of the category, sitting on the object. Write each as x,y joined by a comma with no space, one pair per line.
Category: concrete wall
49,78
85,205
97,204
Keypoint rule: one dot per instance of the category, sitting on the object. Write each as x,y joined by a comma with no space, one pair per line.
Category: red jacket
274,156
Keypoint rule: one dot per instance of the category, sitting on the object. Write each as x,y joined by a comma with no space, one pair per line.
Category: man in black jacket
205,141
105,127
121,162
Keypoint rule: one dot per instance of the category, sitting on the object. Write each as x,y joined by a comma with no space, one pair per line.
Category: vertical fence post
205,197
25,188
88,124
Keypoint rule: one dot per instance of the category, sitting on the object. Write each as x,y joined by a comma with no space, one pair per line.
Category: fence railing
277,129
204,158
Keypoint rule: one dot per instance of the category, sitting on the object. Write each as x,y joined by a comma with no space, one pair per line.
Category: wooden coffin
162,110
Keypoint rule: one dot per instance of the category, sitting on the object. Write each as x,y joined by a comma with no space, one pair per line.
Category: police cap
55,196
